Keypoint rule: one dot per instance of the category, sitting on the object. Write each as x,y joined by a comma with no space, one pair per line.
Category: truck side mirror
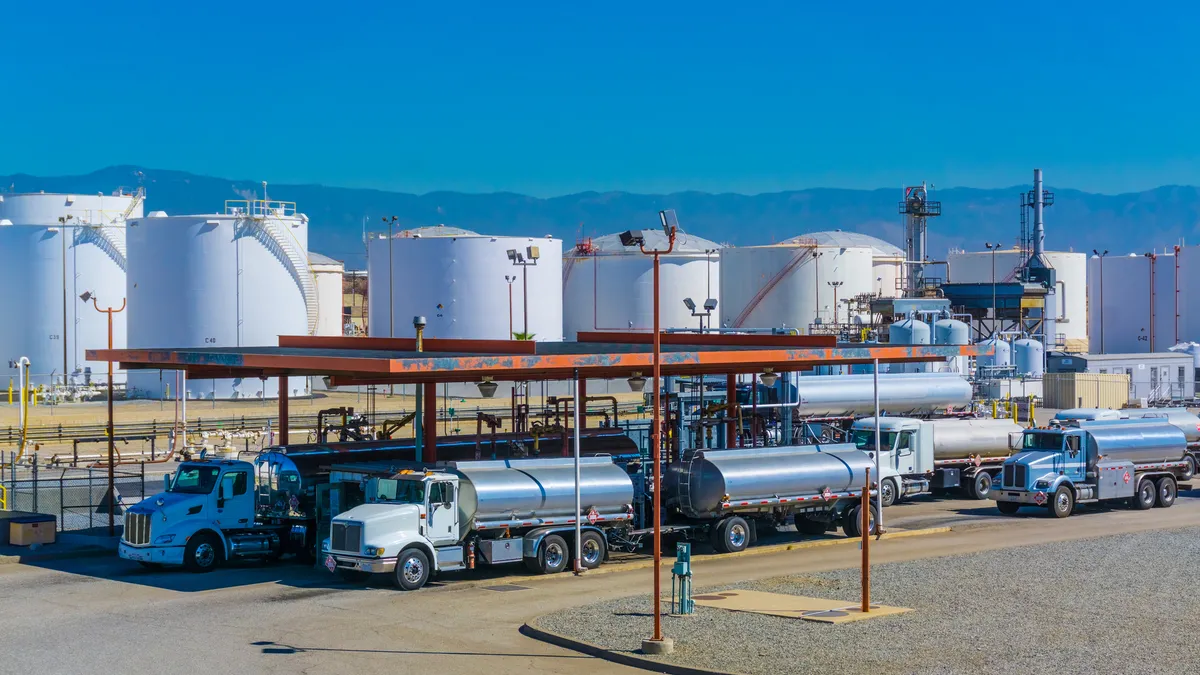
166,482
221,495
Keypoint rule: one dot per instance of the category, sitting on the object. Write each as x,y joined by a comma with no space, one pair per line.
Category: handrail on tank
259,208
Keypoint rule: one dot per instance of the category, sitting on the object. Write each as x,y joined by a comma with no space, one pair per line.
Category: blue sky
548,98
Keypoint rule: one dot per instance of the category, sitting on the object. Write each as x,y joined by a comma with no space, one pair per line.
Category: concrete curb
613,568
50,556
623,658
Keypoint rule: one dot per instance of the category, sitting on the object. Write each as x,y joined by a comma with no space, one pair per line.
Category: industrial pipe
578,502
23,375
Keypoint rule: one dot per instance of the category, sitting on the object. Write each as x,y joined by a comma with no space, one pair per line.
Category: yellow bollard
995,409
1032,418
10,391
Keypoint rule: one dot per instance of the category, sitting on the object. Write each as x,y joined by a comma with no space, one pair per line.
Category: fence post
35,482
62,512
90,472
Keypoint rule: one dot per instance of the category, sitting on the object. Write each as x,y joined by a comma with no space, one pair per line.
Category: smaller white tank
949,331
1001,356
1028,357
909,332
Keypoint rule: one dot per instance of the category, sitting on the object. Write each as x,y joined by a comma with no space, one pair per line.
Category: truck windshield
402,491
864,439
195,480
1043,441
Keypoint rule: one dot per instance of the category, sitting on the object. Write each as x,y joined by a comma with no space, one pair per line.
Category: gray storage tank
1029,357
909,331
1001,356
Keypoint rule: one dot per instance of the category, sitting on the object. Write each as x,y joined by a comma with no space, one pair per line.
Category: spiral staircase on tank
262,221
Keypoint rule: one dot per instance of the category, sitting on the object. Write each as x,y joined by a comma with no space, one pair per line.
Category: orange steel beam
710,339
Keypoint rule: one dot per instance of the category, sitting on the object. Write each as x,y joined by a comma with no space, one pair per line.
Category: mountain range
1125,223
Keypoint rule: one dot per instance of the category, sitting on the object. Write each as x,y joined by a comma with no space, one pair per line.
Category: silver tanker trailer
461,515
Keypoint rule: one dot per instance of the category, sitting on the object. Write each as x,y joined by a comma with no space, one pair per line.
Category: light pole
817,286
112,449
835,285
656,644
510,280
709,305
391,270
62,222
1101,257
995,315
524,260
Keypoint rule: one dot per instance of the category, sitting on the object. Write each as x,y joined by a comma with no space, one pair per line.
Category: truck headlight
164,539
1042,485
372,551
325,544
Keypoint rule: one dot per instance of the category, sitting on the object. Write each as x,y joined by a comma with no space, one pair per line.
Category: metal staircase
798,258
138,197
106,238
264,221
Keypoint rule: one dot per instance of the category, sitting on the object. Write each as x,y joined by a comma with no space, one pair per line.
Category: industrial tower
917,209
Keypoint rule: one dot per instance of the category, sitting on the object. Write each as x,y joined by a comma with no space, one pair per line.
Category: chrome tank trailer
1185,420
963,438
899,394
516,489
1140,442
714,477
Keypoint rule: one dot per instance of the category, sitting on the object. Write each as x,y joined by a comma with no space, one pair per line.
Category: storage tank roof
318,259
655,239
436,231
847,239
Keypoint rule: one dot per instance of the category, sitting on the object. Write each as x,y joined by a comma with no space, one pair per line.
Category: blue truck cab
1058,468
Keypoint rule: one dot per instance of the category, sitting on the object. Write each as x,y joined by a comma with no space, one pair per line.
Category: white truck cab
190,523
906,457
410,527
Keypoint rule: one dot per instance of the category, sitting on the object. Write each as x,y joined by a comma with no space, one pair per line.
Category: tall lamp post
112,449
656,644
524,260
817,286
1101,257
835,285
510,280
62,221
391,271
709,305
995,312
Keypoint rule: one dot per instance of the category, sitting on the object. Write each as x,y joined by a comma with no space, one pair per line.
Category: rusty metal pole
112,445
656,452
283,410
866,542
730,409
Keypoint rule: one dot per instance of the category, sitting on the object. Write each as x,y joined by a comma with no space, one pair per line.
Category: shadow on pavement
276,648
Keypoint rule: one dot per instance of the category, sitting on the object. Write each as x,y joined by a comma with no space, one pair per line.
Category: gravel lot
1120,604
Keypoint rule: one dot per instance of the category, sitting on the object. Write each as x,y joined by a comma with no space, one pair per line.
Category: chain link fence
78,498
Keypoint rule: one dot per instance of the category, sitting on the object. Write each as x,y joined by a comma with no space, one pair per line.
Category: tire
1189,468
981,485
1167,491
553,555
594,549
735,535
1062,503
1146,495
888,493
808,526
1008,508
353,576
204,553
852,521
412,569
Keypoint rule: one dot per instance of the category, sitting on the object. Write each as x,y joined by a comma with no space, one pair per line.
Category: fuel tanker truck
464,515
937,455
1137,461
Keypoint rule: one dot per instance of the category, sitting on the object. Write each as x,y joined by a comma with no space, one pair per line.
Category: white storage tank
607,286
240,278
887,259
461,282
949,331
327,274
1001,356
1071,286
47,261
787,285
1121,308
909,331
1028,357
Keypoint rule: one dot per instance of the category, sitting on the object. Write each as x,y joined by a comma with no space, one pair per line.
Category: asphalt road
105,615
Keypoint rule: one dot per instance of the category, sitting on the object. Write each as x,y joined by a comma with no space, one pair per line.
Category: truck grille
1020,477
137,528
1007,480
1014,475
346,537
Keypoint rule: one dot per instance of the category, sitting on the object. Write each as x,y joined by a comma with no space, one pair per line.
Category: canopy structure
348,361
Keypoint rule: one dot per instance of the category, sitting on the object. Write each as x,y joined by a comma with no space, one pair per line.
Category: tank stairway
108,240
133,204
798,259
280,242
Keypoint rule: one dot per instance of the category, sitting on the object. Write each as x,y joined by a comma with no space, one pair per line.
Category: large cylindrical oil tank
235,279
1121,307
963,438
504,491
608,286
53,249
899,394
1028,357
717,476
887,259
1137,441
465,284
328,274
1187,421
788,285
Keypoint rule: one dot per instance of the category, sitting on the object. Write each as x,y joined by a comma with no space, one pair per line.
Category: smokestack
1039,229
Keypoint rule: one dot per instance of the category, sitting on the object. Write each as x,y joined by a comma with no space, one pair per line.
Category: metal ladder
107,240
133,204
685,483
296,261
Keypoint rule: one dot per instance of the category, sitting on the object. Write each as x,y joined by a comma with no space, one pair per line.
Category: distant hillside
1134,222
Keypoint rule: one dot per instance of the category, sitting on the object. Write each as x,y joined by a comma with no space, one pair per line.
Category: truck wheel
1145,496
981,486
204,553
412,569
553,555
888,492
1189,467
806,525
1008,508
734,535
1166,492
852,521
593,548
1063,502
